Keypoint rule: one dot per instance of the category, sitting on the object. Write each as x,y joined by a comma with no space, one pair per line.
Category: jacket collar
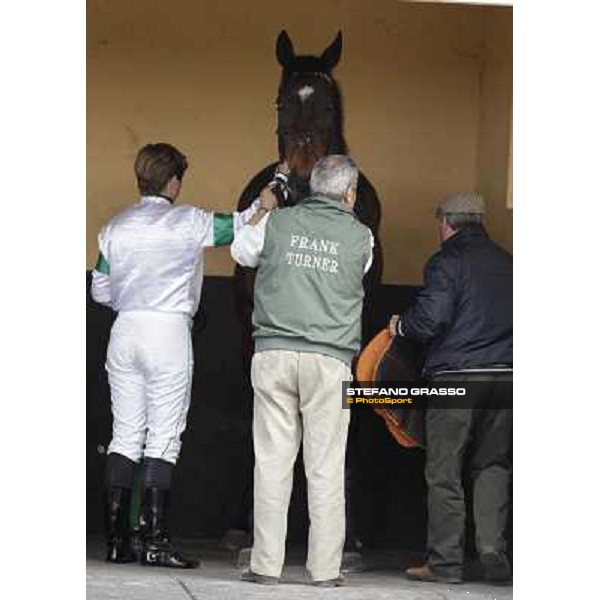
155,199
326,201
466,234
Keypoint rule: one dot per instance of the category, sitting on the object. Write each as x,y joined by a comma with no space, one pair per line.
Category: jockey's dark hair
155,165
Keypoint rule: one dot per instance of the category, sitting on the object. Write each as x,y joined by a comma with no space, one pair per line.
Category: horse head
309,110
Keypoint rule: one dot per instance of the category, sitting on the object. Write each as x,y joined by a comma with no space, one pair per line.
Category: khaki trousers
297,398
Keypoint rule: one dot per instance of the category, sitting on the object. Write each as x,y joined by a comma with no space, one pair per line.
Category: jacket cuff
399,328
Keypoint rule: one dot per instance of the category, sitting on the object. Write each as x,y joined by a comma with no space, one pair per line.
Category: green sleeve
102,265
222,229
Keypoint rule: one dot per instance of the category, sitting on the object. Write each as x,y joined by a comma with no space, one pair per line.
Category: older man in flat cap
464,315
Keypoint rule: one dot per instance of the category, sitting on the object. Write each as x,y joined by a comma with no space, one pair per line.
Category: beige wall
494,167
203,76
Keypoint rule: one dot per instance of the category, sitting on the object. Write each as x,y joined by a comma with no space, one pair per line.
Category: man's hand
393,325
268,200
282,167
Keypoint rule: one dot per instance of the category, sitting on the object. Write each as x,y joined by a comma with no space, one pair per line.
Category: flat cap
461,203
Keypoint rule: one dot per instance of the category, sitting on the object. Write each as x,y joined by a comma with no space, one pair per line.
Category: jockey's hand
393,325
268,200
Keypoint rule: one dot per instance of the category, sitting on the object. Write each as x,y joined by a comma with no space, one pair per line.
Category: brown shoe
253,577
426,573
338,581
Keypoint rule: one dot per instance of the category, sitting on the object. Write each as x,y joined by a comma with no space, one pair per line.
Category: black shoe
253,577
120,539
156,543
162,555
495,567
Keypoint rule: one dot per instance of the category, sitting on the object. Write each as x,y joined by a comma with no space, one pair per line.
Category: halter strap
320,74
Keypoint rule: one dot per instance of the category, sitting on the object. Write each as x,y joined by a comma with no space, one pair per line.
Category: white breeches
149,363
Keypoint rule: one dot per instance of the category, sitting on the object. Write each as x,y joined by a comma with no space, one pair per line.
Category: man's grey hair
333,176
459,220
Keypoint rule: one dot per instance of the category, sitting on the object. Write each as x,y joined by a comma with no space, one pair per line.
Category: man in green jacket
308,298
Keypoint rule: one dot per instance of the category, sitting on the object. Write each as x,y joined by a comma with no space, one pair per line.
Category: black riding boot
156,543
119,537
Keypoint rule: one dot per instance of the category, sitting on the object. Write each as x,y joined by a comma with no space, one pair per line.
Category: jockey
150,271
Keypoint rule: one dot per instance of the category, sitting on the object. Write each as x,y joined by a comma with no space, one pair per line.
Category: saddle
394,359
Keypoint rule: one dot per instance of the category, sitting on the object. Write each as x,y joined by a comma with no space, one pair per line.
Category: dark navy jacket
464,312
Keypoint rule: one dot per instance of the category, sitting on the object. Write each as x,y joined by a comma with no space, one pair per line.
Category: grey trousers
476,442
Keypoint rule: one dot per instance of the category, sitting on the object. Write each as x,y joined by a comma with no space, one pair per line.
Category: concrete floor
218,578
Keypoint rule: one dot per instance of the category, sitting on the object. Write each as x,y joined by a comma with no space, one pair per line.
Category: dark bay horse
309,126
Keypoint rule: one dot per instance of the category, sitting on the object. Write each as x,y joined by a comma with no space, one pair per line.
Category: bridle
284,193
296,74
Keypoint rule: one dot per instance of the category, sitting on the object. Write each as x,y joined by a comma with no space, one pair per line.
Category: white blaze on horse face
305,92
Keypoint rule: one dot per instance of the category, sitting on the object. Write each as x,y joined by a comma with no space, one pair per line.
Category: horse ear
284,49
331,55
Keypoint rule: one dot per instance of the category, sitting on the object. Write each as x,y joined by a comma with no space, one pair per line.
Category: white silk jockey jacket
151,255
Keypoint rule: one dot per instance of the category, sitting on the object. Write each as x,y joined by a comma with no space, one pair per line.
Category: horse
309,126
